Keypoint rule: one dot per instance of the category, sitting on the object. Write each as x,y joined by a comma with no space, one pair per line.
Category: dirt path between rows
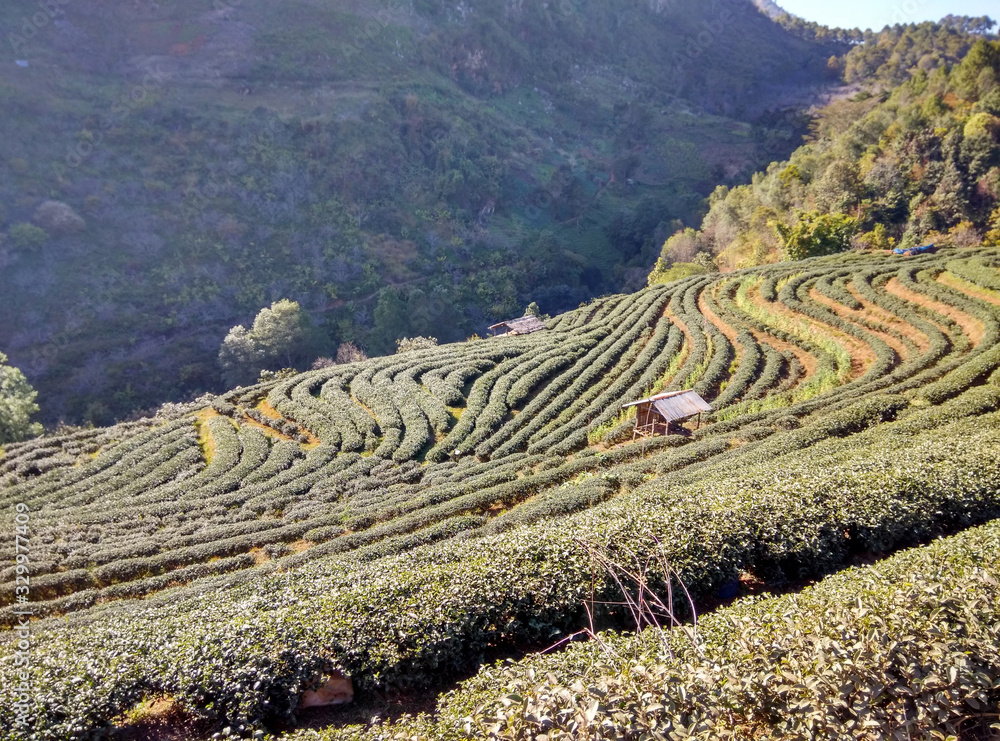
964,287
685,346
857,358
726,329
858,319
972,327
892,321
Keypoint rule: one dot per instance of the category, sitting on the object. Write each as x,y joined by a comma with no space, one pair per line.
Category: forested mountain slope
169,168
228,558
912,164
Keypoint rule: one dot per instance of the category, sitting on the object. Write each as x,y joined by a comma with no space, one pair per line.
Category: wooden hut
514,327
654,415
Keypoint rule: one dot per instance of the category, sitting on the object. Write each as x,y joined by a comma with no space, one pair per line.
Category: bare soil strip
972,327
963,286
860,358
877,313
728,330
859,319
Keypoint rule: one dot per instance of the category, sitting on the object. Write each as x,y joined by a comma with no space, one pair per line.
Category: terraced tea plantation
408,519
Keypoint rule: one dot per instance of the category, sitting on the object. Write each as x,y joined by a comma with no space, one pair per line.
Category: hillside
220,560
913,164
167,169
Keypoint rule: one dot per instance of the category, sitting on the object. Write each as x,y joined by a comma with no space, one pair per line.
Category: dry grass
160,719
205,438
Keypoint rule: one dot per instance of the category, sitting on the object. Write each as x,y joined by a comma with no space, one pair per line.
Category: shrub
27,237
59,218
410,344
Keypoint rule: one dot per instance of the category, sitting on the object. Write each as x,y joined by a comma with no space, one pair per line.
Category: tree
664,273
683,246
239,357
27,237
348,352
391,320
409,344
56,217
17,404
837,189
816,234
877,239
279,331
967,76
280,336
993,234
323,363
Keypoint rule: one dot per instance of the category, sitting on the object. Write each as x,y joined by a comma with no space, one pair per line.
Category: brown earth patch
727,330
271,413
269,431
808,361
686,345
963,286
206,441
971,327
861,355
890,320
160,719
860,320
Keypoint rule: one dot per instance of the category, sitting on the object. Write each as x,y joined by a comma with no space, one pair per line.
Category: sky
876,14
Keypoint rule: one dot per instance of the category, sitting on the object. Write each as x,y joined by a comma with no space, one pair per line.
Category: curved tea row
317,483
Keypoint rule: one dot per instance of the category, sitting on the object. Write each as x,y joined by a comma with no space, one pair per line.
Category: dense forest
917,163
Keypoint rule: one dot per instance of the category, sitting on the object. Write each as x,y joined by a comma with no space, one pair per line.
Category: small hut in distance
515,327
654,415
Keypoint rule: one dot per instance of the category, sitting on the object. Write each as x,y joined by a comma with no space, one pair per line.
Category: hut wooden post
654,416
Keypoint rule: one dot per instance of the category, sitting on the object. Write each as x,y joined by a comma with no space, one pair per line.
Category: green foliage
462,138
993,235
834,661
17,405
915,162
411,344
664,273
979,72
891,55
402,518
815,234
25,236
280,335
266,376
877,239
